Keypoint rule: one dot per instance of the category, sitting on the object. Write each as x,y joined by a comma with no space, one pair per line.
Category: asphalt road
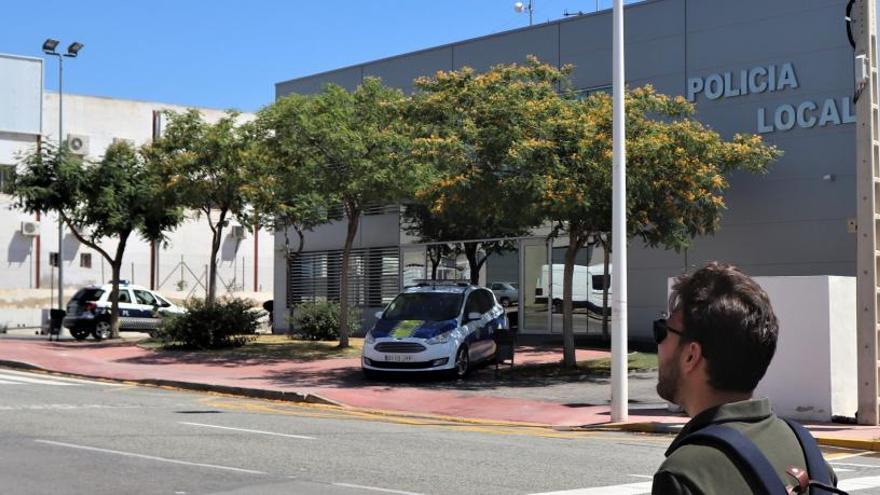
65,436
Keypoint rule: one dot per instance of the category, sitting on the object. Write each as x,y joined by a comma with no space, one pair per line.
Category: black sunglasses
661,330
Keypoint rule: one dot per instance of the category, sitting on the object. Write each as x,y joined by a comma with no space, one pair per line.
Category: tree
112,199
284,194
485,134
356,149
675,177
209,166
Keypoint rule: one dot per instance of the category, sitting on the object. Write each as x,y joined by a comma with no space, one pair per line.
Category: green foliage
319,320
354,149
207,167
111,199
487,136
224,323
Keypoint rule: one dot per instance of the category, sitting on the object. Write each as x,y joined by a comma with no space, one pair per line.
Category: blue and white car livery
434,327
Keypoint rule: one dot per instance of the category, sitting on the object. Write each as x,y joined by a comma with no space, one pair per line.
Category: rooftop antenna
566,13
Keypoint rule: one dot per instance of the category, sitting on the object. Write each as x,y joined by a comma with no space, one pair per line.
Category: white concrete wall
102,120
813,374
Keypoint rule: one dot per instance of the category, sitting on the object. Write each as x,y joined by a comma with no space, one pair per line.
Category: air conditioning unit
30,229
78,144
238,232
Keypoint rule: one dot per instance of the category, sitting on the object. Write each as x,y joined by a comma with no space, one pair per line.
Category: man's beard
668,379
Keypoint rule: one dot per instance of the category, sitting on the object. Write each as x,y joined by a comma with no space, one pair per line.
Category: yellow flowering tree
676,170
486,136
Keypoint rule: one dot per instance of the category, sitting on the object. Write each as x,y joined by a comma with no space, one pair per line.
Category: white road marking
852,464
148,457
642,476
853,484
375,489
626,489
10,374
36,381
843,470
3,382
261,432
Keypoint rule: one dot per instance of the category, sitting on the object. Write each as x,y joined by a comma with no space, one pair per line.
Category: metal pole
619,372
531,10
60,146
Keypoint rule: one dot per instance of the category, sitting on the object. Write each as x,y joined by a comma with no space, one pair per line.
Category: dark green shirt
702,469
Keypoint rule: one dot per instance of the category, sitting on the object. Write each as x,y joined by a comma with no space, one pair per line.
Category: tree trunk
114,292
116,267
217,236
353,218
606,243
471,251
568,350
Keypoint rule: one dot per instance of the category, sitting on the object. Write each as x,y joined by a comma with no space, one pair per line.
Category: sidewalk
338,381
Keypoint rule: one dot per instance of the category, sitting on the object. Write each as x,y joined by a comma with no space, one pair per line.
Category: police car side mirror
379,315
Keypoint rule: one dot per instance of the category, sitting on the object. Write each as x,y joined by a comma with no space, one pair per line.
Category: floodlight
49,45
74,48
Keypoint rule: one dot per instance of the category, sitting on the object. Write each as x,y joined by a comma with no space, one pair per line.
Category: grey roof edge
639,4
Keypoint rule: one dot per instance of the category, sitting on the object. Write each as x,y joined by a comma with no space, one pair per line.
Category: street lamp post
619,365
519,7
49,49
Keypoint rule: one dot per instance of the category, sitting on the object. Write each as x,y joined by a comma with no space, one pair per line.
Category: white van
586,287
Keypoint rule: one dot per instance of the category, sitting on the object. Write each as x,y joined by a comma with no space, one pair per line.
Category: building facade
177,269
781,69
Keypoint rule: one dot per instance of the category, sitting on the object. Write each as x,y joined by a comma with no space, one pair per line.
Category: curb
253,393
674,429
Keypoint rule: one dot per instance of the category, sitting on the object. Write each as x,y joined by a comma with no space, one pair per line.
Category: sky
229,54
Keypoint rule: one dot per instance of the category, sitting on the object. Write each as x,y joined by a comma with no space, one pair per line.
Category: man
712,352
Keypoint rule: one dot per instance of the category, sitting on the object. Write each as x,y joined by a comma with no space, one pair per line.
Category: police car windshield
430,306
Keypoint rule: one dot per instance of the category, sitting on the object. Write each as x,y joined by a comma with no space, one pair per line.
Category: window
600,281
85,260
583,93
485,301
145,297
5,176
124,296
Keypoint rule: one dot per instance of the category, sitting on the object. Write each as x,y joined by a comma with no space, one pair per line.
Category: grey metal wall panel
506,48
776,243
709,14
21,94
788,35
654,43
399,72
349,78
375,229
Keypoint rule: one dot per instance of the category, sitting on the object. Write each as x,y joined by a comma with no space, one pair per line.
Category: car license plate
398,358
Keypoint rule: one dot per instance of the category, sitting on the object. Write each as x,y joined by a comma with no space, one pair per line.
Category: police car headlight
440,339
369,339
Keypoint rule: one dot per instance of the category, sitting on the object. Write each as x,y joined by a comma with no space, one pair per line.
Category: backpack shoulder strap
744,453
816,467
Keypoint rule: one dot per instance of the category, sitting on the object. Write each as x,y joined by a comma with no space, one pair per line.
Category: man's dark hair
730,316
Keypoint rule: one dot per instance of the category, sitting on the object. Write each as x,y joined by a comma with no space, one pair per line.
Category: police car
435,327
140,310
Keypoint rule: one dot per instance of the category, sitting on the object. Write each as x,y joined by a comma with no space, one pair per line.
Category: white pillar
619,365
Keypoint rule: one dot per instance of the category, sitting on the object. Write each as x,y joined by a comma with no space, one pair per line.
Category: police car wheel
79,333
462,363
102,330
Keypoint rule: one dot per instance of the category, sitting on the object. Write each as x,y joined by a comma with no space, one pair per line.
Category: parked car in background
435,326
506,292
140,310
